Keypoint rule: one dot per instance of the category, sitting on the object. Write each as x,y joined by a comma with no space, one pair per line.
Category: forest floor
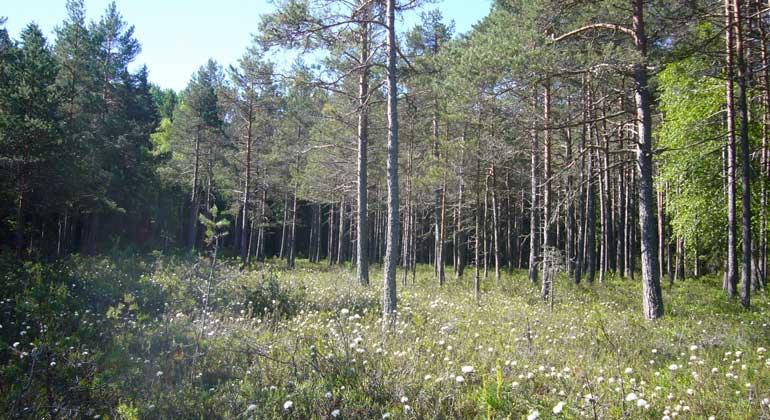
153,338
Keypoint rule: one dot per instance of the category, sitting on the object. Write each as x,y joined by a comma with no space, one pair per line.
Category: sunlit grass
309,343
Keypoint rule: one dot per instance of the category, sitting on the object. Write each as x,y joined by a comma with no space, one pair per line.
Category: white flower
559,407
642,403
344,311
629,371
533,415
288,405
386,416
336,413
159,373
690,391
459,379
251,407
673,366
428,377
631,397
693,347
467,369
404,400
761,350
16,344
328,395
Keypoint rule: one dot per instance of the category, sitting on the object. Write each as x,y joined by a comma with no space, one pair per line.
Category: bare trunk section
745,158
652,298
391,250
534,219
548,243
192,227
731,274
362,263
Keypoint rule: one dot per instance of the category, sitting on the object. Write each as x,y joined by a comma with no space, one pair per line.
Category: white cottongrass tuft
557,409
288,405
534,414
467,369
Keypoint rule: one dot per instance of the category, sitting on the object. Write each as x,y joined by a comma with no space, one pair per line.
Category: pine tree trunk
534,219
362,263
732,265
292,234
282,251
743,111
192,227
495,229
330,242
391,251
341,235
547,205
652,298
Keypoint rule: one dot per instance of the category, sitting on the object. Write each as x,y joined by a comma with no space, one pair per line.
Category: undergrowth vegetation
137,338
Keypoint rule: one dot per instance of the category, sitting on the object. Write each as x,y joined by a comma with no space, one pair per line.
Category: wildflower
673,367
404,400
459,379
159,373
386,416
693,347
631,397
533,415
467,369
629,371
336,413
559,407
345,311
328,395
251,407
288,405
690,391
642,403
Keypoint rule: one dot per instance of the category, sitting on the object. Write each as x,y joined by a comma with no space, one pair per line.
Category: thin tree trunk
745,157
192,229
652,298
547,205
391,251
534,219
292,234
362,263
341,235
495,230
732,266
285,221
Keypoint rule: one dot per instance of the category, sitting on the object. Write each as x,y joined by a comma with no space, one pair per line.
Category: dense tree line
604,138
